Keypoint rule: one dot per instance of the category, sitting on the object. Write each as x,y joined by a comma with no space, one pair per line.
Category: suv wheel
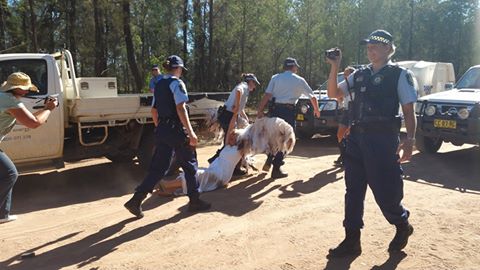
428,144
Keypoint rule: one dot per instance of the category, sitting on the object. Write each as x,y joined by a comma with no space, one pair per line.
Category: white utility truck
92,119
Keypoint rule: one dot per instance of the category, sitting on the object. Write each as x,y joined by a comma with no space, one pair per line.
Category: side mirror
449,86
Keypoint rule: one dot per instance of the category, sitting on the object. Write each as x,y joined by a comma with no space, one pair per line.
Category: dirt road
74,219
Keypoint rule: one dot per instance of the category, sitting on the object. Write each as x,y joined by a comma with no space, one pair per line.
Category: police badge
409,77
377,79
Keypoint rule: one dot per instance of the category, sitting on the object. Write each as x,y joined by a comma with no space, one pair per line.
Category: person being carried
12,110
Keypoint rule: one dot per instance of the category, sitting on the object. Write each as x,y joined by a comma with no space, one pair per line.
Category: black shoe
277,172
239,171
350,246
338,162
134,205
400,240
197,205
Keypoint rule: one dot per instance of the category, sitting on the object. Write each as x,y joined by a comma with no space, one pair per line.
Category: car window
35,68
471,79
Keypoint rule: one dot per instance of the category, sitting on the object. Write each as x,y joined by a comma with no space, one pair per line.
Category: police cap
378,36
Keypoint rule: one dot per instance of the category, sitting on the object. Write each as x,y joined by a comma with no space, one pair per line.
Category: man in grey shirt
285,88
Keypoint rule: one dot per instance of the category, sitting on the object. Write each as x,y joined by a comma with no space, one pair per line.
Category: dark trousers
167,140
287,113
8,177
371,159
224,121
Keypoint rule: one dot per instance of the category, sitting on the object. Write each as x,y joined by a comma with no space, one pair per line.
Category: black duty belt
285,105
375,128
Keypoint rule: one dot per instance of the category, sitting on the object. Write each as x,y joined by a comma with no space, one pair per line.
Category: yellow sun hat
18,80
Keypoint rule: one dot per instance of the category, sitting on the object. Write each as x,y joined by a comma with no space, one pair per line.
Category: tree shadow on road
90,248
35,192
301,187
457,170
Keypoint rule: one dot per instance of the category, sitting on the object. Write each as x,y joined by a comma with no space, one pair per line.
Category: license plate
300,117
441,123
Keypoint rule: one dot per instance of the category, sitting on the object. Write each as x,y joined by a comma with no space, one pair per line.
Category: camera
332,53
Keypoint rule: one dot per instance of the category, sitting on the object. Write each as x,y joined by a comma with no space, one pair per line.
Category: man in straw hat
12,109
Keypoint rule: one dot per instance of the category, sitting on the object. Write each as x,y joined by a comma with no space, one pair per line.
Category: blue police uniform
286,88
170,136
371,157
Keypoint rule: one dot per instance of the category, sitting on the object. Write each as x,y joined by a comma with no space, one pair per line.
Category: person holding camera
373,148
285,88
234,111
173,132
12,110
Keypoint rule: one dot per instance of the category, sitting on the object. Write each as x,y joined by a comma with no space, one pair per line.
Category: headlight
304,108
463,113
330,106
430,110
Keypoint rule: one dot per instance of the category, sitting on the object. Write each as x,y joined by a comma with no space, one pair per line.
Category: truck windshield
471,79
35,68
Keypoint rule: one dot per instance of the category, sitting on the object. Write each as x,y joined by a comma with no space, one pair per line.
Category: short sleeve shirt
406,87
7,121
153,81
287,87
243,89
179,90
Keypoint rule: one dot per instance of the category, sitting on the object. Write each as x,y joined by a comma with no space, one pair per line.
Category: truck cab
450,116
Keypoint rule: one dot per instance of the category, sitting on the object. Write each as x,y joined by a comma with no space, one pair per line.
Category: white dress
219,173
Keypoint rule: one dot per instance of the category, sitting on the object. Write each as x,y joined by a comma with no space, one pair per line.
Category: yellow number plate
440,123
300,117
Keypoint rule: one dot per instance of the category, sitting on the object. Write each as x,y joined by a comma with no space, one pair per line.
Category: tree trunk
72,41
199,46
130,49
211,56
33,23
185,29
3,19
100,57
242,38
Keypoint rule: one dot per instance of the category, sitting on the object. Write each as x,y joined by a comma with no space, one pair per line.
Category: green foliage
233,37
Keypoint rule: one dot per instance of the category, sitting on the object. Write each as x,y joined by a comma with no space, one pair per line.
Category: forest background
221,39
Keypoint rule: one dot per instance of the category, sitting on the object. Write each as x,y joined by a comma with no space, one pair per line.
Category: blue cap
155,66
378,36
290,62
174,61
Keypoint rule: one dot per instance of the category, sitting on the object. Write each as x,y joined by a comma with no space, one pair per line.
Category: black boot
197,205
268,164
350,246
400,240
134,205
277,172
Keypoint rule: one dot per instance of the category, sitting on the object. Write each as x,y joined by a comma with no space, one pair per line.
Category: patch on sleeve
409,77
182,87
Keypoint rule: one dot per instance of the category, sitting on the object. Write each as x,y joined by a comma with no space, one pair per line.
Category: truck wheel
126,155
146,148
428,144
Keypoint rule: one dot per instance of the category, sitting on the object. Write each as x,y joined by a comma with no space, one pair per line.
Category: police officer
173,133
155,77
285,88
234,109
373,148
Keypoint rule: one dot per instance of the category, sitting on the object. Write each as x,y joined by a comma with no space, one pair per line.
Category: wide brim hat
18,80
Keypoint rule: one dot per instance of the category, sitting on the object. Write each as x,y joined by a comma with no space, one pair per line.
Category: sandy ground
74,218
